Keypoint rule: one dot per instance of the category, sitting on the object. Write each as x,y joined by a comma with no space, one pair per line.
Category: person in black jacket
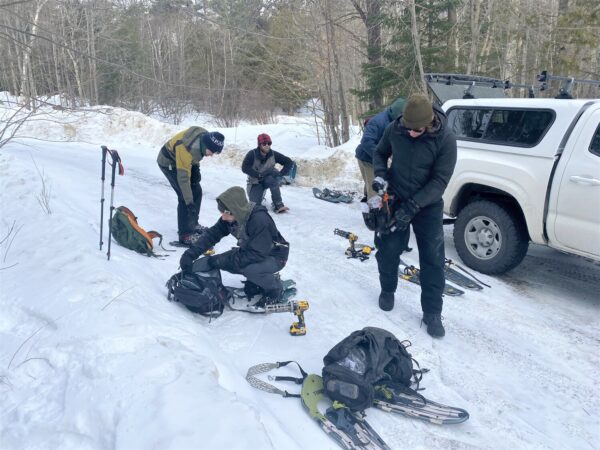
259,165
423,155
261,252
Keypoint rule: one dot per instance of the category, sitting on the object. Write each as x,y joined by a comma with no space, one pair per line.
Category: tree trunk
371,18
475,27
417,45
26,90
341,94
452,42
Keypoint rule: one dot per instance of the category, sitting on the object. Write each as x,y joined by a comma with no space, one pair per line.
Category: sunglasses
264,144
419,130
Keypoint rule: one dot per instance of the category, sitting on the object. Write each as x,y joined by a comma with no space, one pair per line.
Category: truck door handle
585,180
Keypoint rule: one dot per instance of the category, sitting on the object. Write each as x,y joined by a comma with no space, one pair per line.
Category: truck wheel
490,237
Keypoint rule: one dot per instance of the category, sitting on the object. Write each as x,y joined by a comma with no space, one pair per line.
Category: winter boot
199,229
271,298
386,300
189,239
434,324
251,289
280,208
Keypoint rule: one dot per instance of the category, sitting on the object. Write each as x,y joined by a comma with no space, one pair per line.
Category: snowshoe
458,278
405,401
239,301
350,430
411,273
333,196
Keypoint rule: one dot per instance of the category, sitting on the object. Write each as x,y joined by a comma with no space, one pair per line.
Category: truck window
595,144
514,127
469,123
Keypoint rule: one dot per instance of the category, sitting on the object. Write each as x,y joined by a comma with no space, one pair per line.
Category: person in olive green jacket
179,160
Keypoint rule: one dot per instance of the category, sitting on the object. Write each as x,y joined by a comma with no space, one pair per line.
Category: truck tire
490,237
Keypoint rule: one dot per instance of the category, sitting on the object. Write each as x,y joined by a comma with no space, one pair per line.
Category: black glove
379,185
186,262
405,213
213,262
275,173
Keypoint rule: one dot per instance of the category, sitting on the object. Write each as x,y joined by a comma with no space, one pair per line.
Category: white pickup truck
528,170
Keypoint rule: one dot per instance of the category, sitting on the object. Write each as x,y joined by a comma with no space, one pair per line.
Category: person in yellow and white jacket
179,160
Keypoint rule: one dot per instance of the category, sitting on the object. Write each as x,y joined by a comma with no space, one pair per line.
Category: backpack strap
155,234
264,386
190,136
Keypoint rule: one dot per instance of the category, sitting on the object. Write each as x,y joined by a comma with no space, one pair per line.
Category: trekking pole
116,159
104,150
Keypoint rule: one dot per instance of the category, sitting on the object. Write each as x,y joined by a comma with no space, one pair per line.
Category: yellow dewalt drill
359,251
297,307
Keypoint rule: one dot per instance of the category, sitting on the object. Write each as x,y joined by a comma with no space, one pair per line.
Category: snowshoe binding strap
267,367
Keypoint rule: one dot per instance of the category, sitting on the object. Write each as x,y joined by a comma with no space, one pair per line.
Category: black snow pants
263,274
184,221
428,229
256,191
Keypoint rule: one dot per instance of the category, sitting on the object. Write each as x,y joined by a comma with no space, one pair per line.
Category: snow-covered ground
93,356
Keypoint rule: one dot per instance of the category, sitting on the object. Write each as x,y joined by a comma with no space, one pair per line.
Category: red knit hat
264,138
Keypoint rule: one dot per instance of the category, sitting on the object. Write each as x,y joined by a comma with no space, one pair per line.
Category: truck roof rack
568,82
447,86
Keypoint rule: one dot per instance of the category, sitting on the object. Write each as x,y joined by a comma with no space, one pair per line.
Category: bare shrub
43,197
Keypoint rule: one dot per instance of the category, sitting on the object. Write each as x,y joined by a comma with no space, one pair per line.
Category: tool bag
127,232
376,215
361,361
201,291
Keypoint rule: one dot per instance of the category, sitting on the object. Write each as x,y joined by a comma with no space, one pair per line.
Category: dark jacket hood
235,201
395,110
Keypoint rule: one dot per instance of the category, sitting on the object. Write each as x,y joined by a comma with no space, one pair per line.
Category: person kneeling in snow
261,253
259,165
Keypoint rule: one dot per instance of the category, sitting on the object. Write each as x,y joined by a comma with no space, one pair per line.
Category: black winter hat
214,141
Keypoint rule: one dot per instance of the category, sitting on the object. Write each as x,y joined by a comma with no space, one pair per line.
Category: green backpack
127,232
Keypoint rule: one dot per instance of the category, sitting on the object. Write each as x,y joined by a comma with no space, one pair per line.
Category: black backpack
201,292
364,359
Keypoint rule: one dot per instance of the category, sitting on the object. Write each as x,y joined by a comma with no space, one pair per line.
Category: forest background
252,59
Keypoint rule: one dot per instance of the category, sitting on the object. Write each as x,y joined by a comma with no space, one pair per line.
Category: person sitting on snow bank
259,165
179,160
261,253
